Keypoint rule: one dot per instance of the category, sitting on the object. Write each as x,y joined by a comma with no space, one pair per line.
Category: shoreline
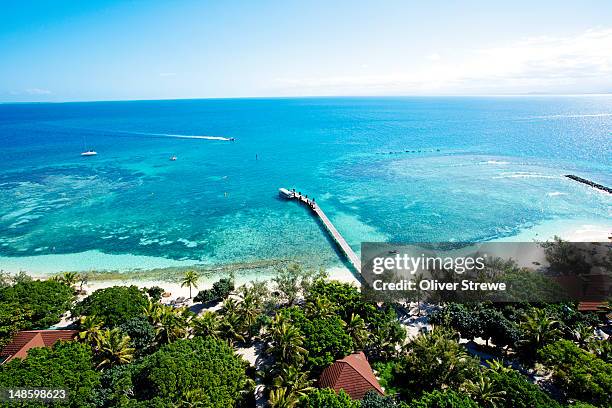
341,274
147,271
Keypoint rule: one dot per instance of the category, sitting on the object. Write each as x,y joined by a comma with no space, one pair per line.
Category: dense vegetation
215,378
219,291
133,350
67,366
579,373
114,306
30,304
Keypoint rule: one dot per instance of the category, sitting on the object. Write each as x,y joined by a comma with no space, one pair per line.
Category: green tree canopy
444,399
141,332
325,338
579,373
67,365
114,306
200,370
328,398
434,360
13,317
385,332
519,392
155,292
219,291
482,320
374,400
47,300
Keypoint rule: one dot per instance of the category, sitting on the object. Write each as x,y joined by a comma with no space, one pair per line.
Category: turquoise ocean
384,169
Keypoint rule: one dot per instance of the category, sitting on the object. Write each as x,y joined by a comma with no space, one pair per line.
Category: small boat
89,153
231,139
173,158
283,192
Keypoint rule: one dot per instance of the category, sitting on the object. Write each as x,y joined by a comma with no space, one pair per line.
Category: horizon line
313,97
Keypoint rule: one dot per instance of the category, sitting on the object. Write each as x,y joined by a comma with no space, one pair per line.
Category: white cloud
574,64
37,91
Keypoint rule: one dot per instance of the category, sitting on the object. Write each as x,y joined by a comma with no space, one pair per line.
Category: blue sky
112,50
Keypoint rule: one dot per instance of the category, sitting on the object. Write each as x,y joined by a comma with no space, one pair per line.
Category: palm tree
294,380
356,328
286,342
207,325
583,334
232,328
320,306
230,306
249,310
70,278
67,278
190,279
386,337
171,324
538,329
483,391
498,366
282,398
113,348
152,311
90,327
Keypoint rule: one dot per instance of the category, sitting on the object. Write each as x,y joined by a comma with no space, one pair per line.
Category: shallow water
383,169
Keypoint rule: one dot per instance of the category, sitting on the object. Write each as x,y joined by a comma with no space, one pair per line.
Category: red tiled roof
25,340
352,374
591,306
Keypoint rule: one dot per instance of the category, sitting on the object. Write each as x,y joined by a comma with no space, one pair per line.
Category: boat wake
178,136
226,139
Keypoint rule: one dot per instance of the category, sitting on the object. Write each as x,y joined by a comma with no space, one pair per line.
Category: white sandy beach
341,274
573,230
576,230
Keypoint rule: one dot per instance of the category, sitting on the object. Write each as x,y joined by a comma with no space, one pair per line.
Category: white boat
283,192
87,151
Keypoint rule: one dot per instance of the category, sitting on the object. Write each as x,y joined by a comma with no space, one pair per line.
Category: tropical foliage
327,398
190,280
115,305
219,291
579,373
209,366
133,350
68,366
434,361
41,303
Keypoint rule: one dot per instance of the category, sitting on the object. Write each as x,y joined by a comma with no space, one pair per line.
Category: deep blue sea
384,169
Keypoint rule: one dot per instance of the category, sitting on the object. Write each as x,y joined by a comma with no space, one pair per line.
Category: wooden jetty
331,229
589,183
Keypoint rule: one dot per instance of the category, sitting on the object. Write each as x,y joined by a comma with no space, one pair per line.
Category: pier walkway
333,232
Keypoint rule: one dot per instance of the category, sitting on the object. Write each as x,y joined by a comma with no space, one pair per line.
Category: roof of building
25,340
591,306
352,374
